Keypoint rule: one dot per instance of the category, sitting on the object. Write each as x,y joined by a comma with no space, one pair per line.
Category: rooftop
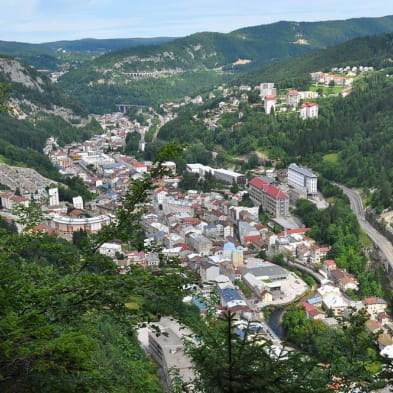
303,171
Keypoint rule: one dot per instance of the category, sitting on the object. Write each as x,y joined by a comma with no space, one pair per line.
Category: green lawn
327,90
331,158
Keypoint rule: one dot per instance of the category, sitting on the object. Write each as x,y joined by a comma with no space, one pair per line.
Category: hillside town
251,262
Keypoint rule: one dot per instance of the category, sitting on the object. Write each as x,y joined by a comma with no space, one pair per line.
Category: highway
379,240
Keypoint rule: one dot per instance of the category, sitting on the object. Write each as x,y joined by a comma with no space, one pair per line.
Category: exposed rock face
18,73
26,179
24,108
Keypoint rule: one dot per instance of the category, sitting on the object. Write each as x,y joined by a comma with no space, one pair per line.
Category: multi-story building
53,196
302,178
65,225
309,110
224,175
272,199
293,98
267,89
269,103
9,201
229,177
200,243
168,350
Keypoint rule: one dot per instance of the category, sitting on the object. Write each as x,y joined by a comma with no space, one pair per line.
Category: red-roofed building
309,110
140,167
293,98
9,201
272,199
269,103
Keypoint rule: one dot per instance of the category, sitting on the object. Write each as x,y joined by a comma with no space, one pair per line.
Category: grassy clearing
365,240
331,158
326,90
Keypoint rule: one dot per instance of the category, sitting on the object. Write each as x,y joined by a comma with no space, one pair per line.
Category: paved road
299,266
379,240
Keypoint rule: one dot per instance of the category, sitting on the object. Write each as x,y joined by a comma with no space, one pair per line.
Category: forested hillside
36,110
368,51
350,142
57,55
179,63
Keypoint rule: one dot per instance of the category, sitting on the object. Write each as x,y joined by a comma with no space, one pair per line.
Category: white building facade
302,178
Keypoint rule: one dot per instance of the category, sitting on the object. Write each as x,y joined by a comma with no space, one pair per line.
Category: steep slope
59,55
124,76
374,51
37,109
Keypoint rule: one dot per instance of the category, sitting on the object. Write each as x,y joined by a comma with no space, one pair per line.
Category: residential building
166,346
344,280
374,305
209,271
309,110
78,202
9,201
272,199
293,98
267,89
53,196
229,177
308,95
302,178
110,249
200,243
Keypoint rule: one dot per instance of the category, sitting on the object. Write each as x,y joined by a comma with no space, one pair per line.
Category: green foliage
338,227
102,98
64,323
225,362
348,349
132,143
75,187
366,51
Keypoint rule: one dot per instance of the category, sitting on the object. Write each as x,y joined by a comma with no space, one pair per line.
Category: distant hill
104,45
114,77
59,54
374,51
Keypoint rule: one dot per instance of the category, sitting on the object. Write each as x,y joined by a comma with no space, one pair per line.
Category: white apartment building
302,178
229,177
225,175
309,110
267,89
293,98
78,202
53,196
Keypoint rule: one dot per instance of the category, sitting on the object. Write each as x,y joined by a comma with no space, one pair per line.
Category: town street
379,240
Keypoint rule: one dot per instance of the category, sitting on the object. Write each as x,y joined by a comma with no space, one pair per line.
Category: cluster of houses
292,100
327,79
331,302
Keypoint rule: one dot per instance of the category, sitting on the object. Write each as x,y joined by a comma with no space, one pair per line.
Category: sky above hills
52,20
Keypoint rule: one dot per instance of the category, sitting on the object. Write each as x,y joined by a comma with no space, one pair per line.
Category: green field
331,158
327,90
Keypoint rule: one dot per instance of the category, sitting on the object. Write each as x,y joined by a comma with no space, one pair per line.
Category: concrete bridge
142,75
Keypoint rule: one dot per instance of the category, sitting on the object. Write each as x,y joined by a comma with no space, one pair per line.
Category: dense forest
102,97
367,51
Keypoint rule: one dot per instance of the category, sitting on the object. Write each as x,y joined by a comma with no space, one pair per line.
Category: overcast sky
52,20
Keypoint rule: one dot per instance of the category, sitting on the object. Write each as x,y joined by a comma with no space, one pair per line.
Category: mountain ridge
116,76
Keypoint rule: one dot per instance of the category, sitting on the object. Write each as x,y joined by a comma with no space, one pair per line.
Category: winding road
379,240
